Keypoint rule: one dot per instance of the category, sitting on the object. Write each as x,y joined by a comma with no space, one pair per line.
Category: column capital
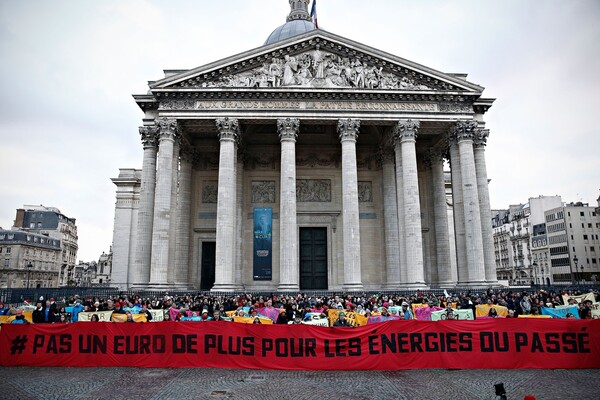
229,128
288,128
406,129
464,130
187,152
481,136
149,135
348,129
387,155
167,128
437,155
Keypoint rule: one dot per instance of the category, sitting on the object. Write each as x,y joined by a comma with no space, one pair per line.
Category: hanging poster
263,243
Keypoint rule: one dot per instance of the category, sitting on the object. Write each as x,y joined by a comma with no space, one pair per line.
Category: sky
69,67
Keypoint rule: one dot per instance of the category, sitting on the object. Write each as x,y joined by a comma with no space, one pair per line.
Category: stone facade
344,143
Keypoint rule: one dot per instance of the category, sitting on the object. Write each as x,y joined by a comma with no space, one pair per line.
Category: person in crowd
492,313
525,304
570,316
256,320
38,314
408,314
48,313
167,317
341,321
94,318
64,318
19,318
118,308
129,317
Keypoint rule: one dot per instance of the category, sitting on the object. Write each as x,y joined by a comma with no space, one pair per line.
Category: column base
414,285
474,284
392,286
446,285
226,287
288,287
160,286
353,287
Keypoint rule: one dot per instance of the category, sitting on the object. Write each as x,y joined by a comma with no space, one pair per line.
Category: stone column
442,234
464,132
390,214
174,212
459,213
484,206
348,133
239,249
182,248
162,203
400,209
146,208
288,238
228,130
407,135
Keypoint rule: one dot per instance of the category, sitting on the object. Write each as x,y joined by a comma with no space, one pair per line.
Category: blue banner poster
263,243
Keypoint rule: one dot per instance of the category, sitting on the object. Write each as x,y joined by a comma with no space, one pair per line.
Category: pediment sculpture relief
317,69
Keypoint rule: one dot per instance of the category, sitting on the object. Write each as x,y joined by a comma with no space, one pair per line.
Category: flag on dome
313,13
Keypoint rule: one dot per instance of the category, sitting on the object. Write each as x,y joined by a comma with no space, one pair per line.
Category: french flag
313,13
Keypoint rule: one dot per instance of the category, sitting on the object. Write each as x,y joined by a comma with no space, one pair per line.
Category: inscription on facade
313,190
301,105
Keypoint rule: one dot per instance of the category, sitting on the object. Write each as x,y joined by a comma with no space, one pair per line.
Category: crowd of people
298,308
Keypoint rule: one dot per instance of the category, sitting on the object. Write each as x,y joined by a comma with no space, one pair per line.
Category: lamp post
535,266
29,266
575,260
582,278
543,278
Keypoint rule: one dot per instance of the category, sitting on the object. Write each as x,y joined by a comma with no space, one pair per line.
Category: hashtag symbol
18,344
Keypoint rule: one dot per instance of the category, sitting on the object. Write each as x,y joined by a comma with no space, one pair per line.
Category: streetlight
29,266
543,278
582,278
535,265
575,260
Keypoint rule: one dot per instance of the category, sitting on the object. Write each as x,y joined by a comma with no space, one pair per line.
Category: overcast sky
69,67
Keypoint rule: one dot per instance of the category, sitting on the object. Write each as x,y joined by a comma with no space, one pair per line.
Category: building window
581,214
6,262
8,249
11,236
0,250
585,237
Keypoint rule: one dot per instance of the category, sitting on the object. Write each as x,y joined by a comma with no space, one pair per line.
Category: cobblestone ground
167,384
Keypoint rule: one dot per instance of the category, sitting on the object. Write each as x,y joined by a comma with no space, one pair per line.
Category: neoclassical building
312,162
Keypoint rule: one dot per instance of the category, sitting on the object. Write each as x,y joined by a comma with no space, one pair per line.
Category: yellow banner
534,316
250,320
7,319
418,305
580,298
355,319
103,316
123,317
482,310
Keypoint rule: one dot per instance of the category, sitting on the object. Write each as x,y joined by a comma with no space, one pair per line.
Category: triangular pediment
316,60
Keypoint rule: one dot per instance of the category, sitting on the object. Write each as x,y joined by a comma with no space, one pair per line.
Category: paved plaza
167,384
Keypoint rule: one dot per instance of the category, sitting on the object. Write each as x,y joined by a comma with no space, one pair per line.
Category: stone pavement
168,384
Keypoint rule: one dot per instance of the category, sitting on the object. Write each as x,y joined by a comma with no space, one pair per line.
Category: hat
51,298
117,303
386,304
404,304
341,313
205,311
41,298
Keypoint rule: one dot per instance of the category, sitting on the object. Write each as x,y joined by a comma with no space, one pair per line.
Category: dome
289,29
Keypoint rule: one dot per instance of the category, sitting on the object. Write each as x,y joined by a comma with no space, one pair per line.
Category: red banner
506,343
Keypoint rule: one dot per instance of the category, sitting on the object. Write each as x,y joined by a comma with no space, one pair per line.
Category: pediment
317,60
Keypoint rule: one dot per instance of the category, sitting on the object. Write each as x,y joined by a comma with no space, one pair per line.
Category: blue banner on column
263,243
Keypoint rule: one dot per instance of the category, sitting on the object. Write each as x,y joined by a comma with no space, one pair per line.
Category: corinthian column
390,213
458,213
464,132
228,129
348,133
162,203
146,208
288,241
406,132
479,142
442,234
182,247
